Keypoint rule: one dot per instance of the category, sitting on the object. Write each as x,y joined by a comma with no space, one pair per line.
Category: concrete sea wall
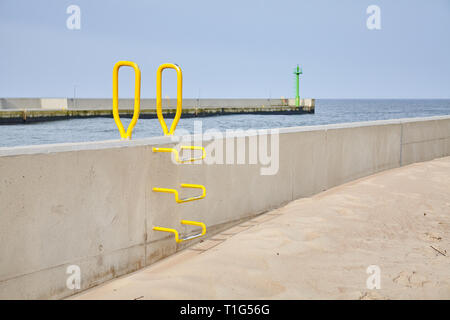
92,205
22,110
99,103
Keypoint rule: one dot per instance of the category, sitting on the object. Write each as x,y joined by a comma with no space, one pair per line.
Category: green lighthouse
297,73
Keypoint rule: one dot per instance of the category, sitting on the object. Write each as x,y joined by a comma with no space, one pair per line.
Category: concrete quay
23,110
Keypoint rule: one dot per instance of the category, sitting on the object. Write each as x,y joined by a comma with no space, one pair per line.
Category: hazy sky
227,48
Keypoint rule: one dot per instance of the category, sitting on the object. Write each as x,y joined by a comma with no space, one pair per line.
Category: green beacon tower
297,73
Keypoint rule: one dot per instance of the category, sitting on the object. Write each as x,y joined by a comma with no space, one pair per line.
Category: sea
327,111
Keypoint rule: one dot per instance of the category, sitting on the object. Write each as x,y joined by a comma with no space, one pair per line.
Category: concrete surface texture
92,205
319,247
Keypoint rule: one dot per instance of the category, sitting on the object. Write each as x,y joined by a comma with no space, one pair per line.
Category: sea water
327,111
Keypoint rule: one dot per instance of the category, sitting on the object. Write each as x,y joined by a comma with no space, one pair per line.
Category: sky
227,49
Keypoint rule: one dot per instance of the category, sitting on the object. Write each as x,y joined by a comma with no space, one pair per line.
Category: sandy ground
319,247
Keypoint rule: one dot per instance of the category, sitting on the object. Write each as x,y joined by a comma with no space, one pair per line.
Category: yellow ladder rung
177,155
175,232
184,185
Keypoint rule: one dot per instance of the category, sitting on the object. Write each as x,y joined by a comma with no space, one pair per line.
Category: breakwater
22,110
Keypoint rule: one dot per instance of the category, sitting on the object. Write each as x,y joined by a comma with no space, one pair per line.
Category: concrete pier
23,110
91,205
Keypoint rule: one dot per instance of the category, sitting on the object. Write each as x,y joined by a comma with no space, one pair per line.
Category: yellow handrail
184,185
159,97
177,238
137,97
176,153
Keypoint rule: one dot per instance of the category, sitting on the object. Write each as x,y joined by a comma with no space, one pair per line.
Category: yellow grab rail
159,97
177,238
184,185
176,153
137,97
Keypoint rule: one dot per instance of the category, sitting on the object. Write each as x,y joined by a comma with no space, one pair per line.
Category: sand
319,247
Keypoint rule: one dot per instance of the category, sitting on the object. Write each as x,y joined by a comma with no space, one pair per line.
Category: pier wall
92,205
26,110
93,104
